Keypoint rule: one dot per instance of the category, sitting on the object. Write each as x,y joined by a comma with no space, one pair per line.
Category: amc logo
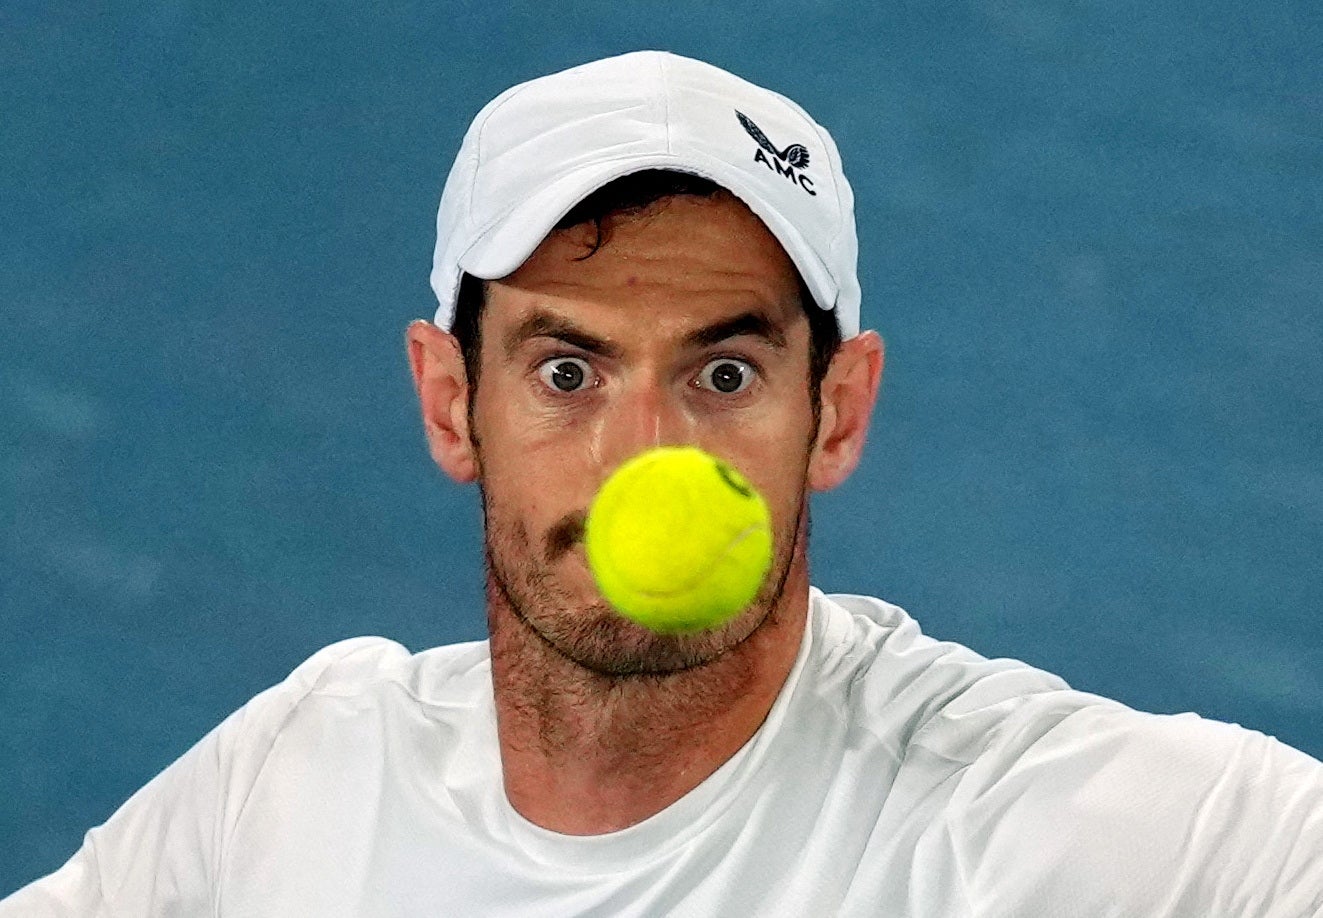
787,162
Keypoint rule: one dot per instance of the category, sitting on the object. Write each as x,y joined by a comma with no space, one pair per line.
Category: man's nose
649,414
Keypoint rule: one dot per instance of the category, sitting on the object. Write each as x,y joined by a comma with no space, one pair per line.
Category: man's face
685,327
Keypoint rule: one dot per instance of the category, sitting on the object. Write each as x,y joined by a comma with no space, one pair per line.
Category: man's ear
849,391
443,395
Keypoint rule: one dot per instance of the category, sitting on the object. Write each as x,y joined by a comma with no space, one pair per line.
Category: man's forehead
770,328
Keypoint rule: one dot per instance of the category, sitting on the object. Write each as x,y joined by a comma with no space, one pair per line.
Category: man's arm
157,855
162,852
1115,812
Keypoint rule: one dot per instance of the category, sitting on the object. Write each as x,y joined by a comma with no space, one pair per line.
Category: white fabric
896,775
540,147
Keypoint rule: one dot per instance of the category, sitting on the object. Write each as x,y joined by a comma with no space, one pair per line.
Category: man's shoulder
362,664
353,686
363,672
935,693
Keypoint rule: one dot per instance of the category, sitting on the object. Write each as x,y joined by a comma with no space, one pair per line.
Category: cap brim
514,236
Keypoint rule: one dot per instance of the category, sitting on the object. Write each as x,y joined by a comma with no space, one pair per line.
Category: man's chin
601,641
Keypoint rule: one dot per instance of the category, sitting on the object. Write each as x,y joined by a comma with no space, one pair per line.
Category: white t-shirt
895,775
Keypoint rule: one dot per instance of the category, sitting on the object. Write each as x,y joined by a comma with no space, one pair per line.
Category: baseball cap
540,147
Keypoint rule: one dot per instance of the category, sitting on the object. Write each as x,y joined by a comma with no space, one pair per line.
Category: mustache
563,535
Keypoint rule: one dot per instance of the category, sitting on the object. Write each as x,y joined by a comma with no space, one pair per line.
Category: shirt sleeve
1108,811
161,852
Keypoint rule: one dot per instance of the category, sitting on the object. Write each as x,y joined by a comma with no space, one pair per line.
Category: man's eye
726,375
565,374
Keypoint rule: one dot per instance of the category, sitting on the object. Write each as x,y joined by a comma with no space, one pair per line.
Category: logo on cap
795,157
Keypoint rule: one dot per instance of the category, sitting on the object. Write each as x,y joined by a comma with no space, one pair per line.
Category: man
647,250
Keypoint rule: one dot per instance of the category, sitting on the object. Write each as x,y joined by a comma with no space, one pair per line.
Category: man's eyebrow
755,323
542,324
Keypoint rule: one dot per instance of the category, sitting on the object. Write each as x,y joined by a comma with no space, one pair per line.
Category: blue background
1092,235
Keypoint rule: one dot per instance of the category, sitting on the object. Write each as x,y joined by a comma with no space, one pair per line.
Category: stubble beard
584,629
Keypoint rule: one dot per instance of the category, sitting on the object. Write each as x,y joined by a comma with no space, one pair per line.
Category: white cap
541,147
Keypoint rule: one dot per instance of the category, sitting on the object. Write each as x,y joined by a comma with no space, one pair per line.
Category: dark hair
622,197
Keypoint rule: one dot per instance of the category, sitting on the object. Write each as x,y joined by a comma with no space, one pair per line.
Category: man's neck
586,754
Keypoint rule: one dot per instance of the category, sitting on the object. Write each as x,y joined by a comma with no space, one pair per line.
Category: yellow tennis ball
678,540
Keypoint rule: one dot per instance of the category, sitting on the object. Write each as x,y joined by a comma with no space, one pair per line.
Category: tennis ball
677,540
